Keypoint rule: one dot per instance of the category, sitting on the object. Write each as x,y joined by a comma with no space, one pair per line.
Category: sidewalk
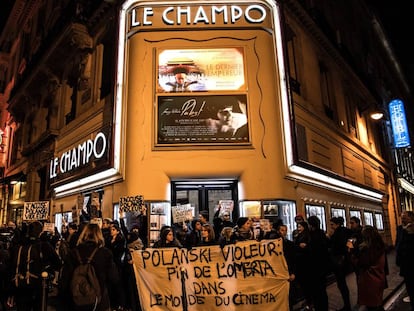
395,281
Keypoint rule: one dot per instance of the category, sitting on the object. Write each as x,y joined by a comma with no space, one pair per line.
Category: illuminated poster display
206,101
399,124
190,70
202,119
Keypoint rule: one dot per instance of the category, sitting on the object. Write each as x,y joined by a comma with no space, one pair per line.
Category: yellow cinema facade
157,143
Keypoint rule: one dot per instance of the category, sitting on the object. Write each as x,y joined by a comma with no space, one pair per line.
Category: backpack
28,271
84,286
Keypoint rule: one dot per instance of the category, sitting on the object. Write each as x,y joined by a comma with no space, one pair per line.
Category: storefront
201,117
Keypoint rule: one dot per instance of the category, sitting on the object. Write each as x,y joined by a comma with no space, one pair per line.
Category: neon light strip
328,182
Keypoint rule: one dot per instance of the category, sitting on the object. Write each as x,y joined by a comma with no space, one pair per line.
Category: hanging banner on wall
36,210
399,124
211,278
131,203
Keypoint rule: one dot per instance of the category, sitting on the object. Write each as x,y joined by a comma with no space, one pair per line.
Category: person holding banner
207,235
90,239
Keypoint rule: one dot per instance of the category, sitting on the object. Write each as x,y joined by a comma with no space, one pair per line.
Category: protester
290,256
207,235
370,260
226,237
298,218
405,254
118,248
103,262
73,234
106,230
29,260
338,252
193,237
302,259
318,264
167,238
243,230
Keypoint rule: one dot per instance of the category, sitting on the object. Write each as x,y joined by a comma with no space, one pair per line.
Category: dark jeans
409,285
340,276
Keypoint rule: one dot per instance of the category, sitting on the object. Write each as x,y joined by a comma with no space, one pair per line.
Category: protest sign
182,213
131,203
36,210
247,276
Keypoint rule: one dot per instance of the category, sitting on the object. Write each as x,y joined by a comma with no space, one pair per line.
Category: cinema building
250,104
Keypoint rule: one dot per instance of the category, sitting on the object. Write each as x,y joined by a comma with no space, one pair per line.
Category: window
328,98
368,219
354,213
379,222
338,212
292,47
318,211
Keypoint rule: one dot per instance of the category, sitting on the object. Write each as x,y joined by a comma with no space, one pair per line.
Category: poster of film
132,204
36,210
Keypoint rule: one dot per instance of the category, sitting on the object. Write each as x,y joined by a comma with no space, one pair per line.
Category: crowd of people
311,256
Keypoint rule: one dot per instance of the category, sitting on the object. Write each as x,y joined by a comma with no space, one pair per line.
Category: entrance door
205,195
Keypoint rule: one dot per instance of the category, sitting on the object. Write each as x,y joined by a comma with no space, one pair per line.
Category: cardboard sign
182,213
131,203
36,210
246,276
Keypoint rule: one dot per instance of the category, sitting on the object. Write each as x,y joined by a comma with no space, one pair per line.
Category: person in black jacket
318,264
27,291
290,256
405,253
339,258
106,271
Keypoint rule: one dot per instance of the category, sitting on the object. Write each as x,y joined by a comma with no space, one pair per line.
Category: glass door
204,194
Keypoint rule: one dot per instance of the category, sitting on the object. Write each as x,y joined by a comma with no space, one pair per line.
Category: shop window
368,219
318,211
62,219
281,211
379,221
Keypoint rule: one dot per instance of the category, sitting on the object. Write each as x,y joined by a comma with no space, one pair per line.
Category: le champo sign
79,156
245,276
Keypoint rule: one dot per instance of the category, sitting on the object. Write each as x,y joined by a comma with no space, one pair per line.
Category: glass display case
159,215
318,211
275,211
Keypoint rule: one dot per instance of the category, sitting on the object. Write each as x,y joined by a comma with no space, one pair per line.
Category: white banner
36,210
246,276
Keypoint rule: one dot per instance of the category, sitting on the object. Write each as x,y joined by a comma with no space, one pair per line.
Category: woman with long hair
370,261
90,240
167,238
208,236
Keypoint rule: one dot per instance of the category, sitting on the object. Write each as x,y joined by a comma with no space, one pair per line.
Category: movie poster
202,119
198,70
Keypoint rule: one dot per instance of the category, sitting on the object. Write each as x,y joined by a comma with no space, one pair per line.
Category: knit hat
241,221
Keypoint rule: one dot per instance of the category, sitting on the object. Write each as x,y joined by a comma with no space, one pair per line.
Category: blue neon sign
399,124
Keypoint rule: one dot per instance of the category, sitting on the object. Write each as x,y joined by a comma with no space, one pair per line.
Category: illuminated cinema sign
156,16
80,155
399,124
